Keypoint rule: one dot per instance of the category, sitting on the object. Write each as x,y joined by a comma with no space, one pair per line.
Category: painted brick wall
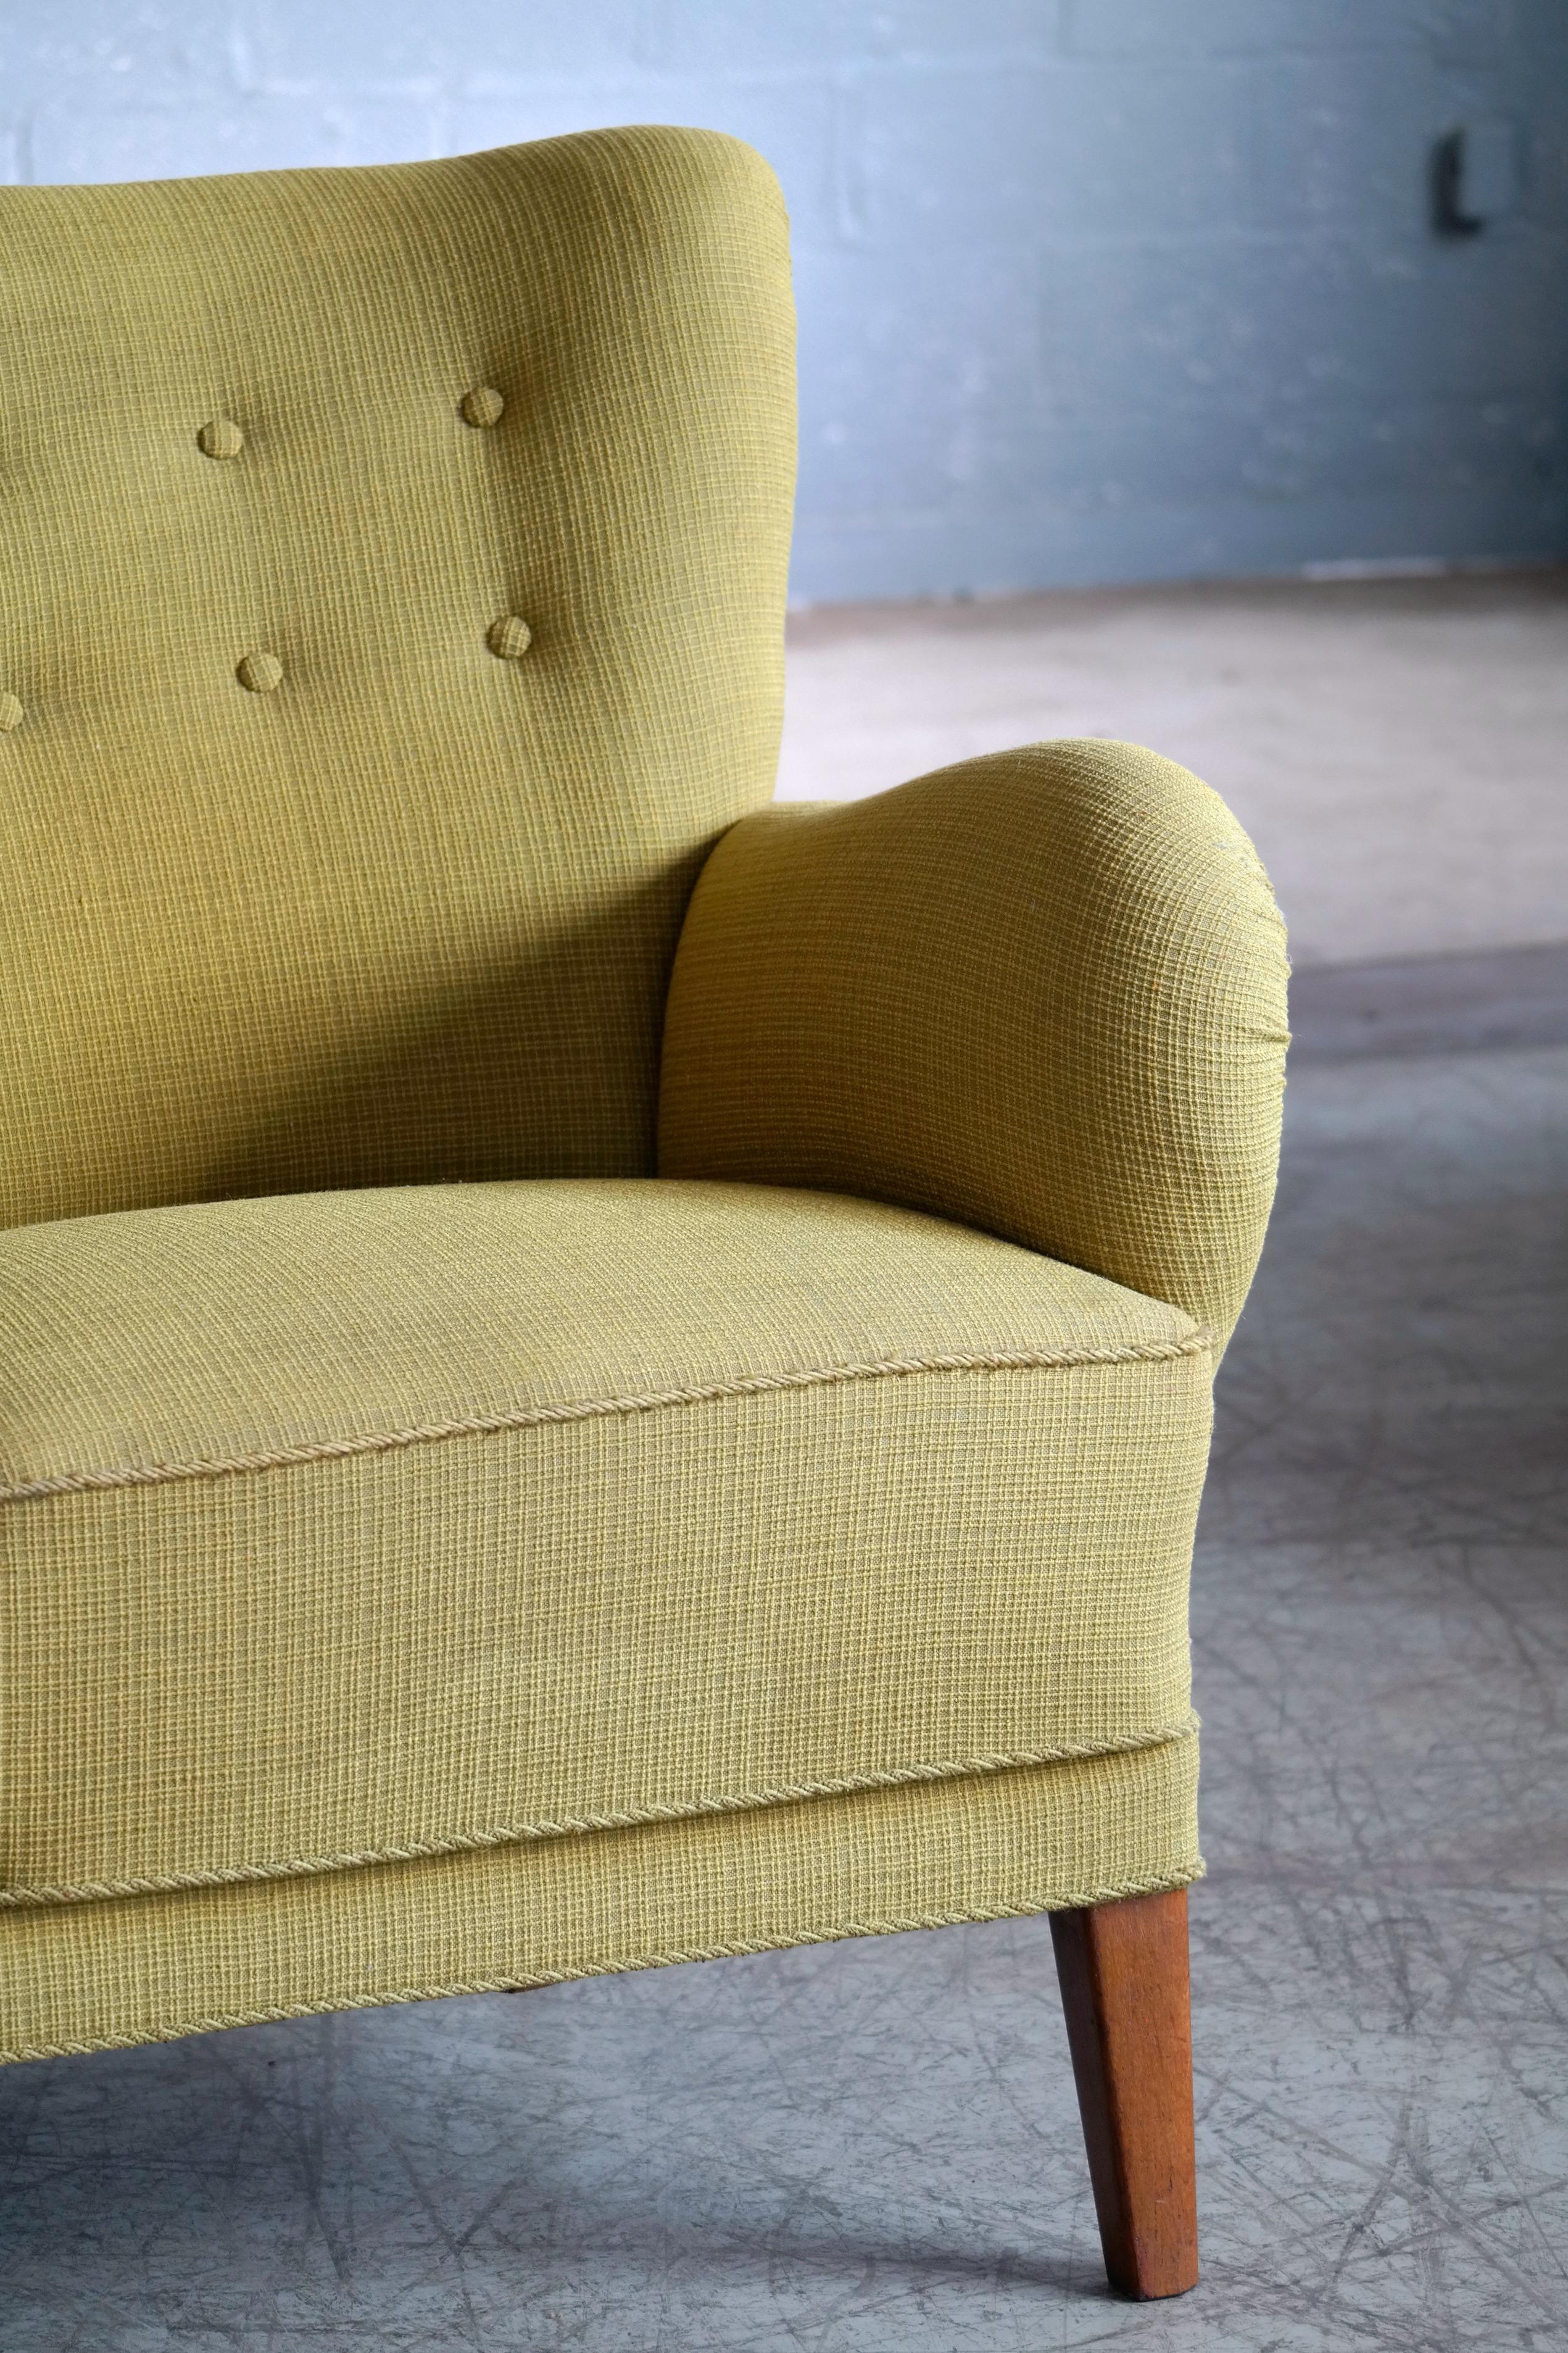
1090,289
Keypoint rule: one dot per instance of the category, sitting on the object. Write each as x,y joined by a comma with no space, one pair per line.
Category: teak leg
1123,1972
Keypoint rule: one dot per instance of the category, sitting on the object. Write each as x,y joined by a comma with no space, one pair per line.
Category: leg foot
1123,1972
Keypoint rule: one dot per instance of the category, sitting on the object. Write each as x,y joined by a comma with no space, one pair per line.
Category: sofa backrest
391,605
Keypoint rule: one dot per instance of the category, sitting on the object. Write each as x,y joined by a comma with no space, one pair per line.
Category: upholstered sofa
591,1371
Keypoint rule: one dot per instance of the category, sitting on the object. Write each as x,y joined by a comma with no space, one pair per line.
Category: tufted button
261,672
510,637
482,405
10,712
220,436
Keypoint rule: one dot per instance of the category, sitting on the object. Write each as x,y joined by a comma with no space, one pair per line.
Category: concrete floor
1394,747
1432,1005
873,2148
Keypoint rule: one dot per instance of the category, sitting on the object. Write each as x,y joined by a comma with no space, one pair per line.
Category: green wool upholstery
591,1372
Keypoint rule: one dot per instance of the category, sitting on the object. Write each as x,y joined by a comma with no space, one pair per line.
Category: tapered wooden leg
1123,1972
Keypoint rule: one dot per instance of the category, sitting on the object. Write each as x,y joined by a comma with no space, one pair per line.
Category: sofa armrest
1041,992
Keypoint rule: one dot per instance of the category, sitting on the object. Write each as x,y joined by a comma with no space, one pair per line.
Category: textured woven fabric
435,1552
404,911
344,1526
1043,991
80,1976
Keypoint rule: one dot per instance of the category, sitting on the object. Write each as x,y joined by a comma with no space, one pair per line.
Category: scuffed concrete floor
873,2148
1394,747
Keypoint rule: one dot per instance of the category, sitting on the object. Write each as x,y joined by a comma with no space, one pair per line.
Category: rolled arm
1042,992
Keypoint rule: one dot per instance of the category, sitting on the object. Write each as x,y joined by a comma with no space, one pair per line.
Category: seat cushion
356,1527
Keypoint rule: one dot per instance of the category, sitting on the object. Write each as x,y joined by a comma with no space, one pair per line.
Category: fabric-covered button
261,672
220,437
509,637
10,712
482,405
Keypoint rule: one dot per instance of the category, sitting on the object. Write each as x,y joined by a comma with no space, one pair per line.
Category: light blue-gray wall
1090,289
